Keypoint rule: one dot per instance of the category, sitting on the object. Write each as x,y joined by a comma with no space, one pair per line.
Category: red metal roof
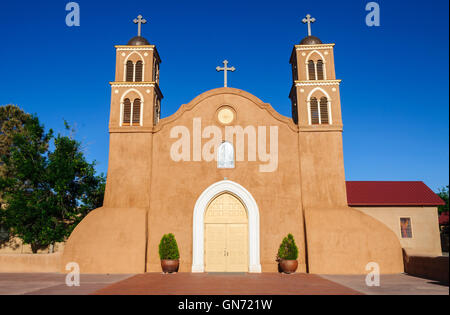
391,194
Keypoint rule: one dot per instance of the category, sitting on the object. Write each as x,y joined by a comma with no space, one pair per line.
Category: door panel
226,235
215,247
237,260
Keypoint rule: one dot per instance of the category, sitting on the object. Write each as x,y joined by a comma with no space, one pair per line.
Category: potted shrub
169,254
287,255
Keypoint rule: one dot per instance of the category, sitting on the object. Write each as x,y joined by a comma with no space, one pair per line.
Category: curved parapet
108,240
345,240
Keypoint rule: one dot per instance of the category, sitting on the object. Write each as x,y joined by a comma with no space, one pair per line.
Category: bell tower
316,109
135,111
136,96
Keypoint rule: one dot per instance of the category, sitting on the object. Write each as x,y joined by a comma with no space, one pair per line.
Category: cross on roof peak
225,69
139,21
308,20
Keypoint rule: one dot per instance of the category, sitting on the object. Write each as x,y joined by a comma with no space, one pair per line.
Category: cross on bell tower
308,20
139,21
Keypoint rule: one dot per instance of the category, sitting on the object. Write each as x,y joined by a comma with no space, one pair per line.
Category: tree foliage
168,247
47,193
12,121
443,193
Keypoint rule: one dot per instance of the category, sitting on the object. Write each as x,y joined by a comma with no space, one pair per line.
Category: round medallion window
226,115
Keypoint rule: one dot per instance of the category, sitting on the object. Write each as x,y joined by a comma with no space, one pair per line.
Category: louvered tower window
126,112
157,111
136,112
294,109
314,106
138,70
320,74
311,70
324,120
294,70
130,71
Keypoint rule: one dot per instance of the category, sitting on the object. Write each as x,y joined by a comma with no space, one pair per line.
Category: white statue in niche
225,156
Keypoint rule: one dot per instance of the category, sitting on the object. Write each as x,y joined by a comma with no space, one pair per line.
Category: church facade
229,177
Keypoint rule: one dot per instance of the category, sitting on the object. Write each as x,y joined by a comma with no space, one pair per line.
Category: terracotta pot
170,266
288,266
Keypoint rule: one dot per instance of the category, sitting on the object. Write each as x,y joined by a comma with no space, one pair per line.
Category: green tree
12,121
49,193
76,188
26,192
443,193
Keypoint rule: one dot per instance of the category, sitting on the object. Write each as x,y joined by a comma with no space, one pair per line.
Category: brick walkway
53,283
217,284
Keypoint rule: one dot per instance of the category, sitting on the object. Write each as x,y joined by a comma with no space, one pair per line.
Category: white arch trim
134,68
198,259
137,53
318,89
132,90
318,52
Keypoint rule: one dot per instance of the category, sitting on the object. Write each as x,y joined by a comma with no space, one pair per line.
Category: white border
198,262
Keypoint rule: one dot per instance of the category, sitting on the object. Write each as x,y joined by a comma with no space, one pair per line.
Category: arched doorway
226,235
233,195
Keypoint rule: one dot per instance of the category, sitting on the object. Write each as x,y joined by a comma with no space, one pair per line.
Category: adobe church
230,177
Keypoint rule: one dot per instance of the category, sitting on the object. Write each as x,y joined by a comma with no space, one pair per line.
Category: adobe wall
426,238
108,240
129,170
148,194
345,240
177,185
428,267
16,246
23,263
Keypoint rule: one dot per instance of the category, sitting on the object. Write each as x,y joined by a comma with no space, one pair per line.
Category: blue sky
394,94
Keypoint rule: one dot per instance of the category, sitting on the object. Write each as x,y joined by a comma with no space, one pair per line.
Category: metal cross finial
225,69
139,21
308,20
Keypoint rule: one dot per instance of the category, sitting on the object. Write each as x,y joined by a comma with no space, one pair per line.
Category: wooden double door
226,235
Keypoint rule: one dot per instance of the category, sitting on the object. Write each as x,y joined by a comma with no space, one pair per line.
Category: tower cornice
317,83
315,46
137,84
134,47
142,47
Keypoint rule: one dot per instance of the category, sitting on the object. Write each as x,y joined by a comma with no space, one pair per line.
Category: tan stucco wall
310,172
108,240
16,246
18,263
425,227
154,195
344,241
176,186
